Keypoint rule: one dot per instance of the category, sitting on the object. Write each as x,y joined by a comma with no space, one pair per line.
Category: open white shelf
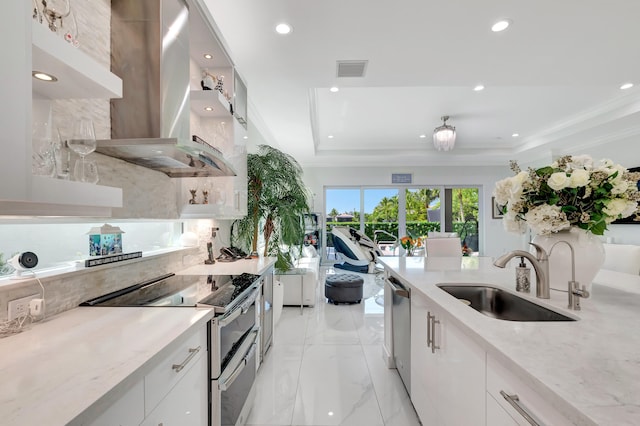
56,197
79,75
200,99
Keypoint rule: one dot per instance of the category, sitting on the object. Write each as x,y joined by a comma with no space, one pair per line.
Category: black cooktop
218,291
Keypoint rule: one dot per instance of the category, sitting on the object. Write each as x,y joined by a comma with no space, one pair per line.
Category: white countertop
257,266
588,369
71,367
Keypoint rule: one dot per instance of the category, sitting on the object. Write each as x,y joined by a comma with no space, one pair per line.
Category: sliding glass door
387,214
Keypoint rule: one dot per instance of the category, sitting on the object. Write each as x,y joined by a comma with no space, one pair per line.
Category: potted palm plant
276,203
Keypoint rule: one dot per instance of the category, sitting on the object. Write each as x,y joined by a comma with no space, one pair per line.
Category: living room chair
443,247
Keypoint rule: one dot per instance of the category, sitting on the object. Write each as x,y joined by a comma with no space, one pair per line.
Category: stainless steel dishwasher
401,330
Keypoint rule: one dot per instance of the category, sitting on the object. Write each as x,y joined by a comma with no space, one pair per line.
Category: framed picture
633,219
496,209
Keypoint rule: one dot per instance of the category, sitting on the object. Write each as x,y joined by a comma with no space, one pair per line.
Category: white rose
606,162
579,178
502,191
614,208
516,185
620,187
509,188
558,181
546,219
582,162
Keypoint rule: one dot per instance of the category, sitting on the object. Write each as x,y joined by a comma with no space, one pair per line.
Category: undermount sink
497,303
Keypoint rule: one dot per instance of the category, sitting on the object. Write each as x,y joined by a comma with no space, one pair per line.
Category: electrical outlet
20,307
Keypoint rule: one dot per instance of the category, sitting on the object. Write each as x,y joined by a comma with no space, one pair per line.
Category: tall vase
588,253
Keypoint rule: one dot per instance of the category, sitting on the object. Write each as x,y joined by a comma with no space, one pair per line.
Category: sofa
300,283
621,268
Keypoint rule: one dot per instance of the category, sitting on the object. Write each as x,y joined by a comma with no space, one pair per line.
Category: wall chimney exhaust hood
150,124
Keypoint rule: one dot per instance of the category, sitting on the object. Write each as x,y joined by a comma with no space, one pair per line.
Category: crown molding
600,115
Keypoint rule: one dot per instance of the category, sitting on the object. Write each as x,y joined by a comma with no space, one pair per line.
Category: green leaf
545,171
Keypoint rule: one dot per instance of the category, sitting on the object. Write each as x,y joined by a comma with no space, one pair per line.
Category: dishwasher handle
397,288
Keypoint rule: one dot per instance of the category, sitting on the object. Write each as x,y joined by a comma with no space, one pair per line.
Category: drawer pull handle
192,353
515,403
431,332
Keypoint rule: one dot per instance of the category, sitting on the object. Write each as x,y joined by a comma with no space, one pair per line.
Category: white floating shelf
207,211
200,99
59,191
56,197
79,75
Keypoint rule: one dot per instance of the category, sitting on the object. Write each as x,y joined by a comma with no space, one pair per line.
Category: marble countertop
256,266
73,366
588,369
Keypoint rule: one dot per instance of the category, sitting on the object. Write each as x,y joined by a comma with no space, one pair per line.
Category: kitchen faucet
540,264
574,290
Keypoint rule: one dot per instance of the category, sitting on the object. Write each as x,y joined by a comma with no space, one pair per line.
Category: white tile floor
326,368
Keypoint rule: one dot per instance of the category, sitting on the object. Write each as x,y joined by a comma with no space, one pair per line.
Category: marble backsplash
66,291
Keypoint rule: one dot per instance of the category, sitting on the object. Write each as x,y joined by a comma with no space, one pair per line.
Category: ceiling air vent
351,68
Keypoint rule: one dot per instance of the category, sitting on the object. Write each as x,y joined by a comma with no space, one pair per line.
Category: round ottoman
343,288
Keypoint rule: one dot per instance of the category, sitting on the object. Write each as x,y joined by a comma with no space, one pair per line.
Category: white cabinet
448,368
171,369
127,411
212,120
174,392
33,47
516,400
187,402
496,415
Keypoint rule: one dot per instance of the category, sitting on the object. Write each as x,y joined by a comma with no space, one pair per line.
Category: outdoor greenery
384,216
276,203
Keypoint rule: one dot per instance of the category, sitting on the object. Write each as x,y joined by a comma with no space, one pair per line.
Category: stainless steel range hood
150,124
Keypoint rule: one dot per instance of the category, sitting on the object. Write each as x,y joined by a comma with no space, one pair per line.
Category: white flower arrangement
572,191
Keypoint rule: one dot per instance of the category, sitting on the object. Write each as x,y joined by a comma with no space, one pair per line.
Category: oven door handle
251,298
229,319
223,386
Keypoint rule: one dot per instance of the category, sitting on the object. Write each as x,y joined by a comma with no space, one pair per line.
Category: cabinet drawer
126,411
172,368
500,379
187,403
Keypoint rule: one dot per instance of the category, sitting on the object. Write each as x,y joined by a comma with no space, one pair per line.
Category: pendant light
444,137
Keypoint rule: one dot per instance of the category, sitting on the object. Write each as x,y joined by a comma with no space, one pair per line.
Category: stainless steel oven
233,342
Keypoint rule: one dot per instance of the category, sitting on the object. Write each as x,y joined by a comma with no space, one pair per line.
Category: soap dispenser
523,277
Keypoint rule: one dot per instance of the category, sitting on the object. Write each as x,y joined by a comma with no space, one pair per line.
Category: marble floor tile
326,366
395,404
335,388
276,386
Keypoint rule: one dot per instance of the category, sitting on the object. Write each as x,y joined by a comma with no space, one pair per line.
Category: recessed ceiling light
44,76
334,89
208,56
208,108
423,136
501,25
626,86
330,136
515,135
478,88
283,28
245,137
